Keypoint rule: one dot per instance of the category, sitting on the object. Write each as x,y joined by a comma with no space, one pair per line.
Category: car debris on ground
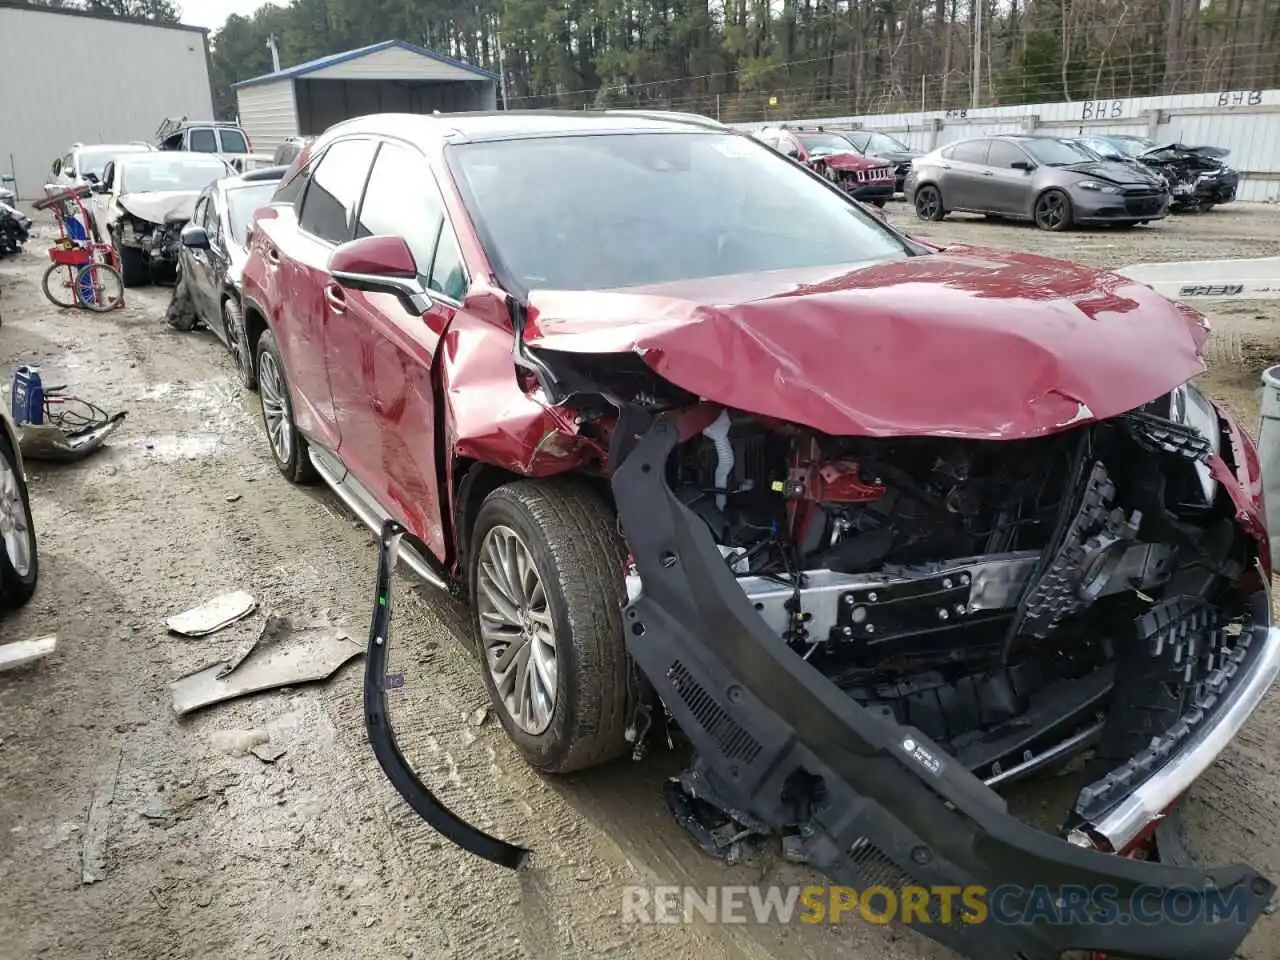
213,615
282,655
22,652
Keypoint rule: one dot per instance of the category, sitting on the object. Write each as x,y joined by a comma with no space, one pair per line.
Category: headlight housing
1097,186
1191,408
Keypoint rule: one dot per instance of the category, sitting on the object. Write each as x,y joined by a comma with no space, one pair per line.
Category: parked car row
507,336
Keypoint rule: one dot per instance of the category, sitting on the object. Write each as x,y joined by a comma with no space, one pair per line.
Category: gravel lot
212,853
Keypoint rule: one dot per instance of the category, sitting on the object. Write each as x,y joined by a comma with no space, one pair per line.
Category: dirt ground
201,850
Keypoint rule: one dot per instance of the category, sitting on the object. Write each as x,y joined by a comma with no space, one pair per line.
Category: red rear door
326,219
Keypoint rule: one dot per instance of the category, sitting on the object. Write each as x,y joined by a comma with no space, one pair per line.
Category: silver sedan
1052,182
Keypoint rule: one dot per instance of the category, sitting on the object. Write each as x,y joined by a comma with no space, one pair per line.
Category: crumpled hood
849,161
160,207
965,343
1114,171
1212,153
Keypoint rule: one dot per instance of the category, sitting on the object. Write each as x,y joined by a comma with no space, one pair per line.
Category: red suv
878,528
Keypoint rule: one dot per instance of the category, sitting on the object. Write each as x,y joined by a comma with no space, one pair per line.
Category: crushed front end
861,637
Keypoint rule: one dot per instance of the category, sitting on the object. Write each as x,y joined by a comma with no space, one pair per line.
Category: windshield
242,202
185,172
1056,153
883,143
95,161
823,144
621,210
1133,146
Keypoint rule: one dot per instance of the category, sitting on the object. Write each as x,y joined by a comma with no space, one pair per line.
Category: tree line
757,59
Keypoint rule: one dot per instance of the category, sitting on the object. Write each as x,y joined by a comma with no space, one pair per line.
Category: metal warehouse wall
1246,122
67,77
322,103
269,113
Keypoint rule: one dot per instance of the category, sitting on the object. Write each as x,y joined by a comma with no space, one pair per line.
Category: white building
388,77
68,76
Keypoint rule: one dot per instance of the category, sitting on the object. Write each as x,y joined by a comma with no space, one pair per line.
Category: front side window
329,207
242,202
402,201
202,140
232,141
1004,154
621,210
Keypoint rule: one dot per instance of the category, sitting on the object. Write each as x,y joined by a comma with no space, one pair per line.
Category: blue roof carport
389,77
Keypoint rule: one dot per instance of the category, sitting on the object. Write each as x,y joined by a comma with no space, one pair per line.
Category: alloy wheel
15,523
275,407
927,203
1051,211
517,633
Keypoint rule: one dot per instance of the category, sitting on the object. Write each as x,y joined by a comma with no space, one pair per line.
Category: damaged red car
878,528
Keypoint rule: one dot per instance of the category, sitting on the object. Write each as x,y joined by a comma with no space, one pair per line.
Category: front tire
19,560
1053,211
288,446
546,576
928,203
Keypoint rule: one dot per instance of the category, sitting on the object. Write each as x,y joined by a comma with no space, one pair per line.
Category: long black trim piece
382,738
893,803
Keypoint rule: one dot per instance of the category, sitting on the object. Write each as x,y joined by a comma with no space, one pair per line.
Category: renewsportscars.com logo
913,905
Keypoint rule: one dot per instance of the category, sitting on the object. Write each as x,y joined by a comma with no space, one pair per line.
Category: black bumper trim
895,804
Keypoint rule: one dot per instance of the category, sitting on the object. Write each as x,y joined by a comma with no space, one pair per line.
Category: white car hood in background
160,207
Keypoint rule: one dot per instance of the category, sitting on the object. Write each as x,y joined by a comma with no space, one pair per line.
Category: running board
362,503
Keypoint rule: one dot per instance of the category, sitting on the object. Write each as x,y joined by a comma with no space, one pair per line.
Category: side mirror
57,166
381,265
195,237
91,177
1026,165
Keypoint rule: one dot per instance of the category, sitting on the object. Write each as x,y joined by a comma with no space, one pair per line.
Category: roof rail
674,116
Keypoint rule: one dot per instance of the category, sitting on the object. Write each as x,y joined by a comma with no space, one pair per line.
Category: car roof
170,156
522,124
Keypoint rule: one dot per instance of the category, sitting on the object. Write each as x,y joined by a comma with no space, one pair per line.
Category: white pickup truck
227,140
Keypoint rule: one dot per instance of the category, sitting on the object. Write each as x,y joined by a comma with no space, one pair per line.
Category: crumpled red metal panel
966,343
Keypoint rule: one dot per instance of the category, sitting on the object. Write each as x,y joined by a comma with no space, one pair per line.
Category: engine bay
987,593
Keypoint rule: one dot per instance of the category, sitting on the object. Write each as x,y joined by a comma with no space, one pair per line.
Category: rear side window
402,201
232,141
971,151
201,140
329,207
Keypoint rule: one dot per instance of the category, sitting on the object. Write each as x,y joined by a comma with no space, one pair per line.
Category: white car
142,202
84,163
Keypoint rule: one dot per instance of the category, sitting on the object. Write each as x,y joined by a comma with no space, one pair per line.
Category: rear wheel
546,575
929,204
288,447
59,285
1053,211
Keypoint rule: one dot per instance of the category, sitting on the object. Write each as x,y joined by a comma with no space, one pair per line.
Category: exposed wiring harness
71,414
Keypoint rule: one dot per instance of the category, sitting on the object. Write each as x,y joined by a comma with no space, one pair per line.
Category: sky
213,13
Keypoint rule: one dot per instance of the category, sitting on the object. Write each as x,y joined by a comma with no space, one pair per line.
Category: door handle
336,298
988,173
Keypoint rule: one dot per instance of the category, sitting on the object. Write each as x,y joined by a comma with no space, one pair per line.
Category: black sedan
213,256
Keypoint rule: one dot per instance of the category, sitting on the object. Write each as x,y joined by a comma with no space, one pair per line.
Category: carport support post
1152,120
1030,123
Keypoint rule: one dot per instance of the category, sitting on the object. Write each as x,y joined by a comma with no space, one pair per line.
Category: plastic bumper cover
897,811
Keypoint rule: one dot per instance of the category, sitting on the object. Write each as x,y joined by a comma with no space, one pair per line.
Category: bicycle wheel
59,285
99,288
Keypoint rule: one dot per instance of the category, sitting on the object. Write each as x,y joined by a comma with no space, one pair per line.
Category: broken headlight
1191,408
